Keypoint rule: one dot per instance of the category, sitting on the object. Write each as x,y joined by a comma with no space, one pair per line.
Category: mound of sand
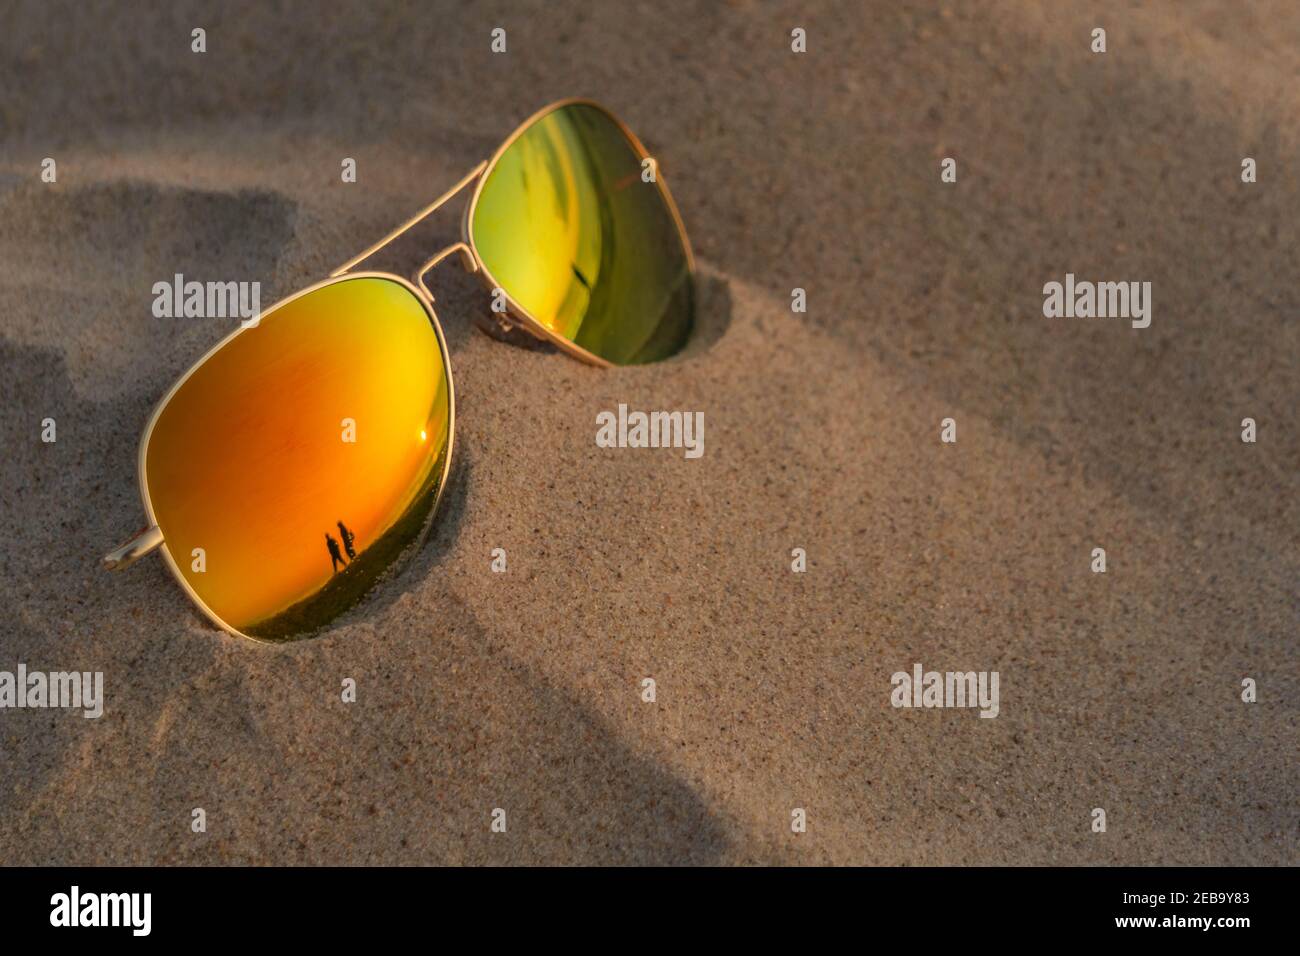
523,690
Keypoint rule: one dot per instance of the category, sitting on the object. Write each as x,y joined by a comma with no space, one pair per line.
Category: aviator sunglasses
303,458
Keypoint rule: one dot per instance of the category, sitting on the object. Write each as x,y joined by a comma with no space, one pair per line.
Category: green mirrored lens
570,229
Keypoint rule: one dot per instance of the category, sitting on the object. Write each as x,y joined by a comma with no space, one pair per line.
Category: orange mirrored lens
300,461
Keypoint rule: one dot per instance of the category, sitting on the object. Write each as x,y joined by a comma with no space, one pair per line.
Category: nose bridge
467,260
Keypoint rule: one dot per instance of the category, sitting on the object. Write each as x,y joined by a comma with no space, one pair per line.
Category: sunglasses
303,459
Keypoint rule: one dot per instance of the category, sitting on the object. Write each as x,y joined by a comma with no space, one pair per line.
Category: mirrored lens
568,226
303,458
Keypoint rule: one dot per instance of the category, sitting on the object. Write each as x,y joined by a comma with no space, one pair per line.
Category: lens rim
141,463
521,314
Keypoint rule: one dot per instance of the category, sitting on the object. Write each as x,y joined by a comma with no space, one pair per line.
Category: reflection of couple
336,558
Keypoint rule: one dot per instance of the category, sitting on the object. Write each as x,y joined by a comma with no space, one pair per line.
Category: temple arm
135,549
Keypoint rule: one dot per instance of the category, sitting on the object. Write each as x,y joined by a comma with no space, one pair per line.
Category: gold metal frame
151,538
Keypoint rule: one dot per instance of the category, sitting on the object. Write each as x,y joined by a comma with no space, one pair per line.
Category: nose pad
505,328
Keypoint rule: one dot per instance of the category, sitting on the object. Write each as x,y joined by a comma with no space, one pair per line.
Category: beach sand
522,690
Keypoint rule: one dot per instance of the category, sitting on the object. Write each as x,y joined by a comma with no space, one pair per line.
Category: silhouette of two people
336,557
